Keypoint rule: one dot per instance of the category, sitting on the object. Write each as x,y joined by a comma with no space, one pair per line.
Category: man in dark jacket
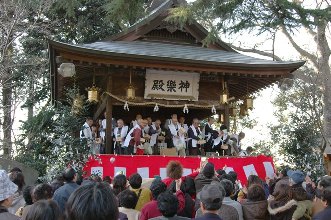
205,177
210,202
62,194
326,198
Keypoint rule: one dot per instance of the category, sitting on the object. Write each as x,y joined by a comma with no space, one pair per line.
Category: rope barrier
158,104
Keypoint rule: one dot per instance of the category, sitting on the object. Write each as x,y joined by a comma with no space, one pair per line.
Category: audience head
220,172
138,117
211,198
120,123
211,120
174,170
44,209
283,172
241,135
89,121
249,150
182,119
17,178
42,192
296,177
326,195
157,187
92,201
233,175
167,203
135,181
27,195
195,122
70,175
254,179
324,182
107,179
57,182
119,183
209,170
188,186
228,187
283,193
149,120
7,190
15,169
157,123
127,199
255,193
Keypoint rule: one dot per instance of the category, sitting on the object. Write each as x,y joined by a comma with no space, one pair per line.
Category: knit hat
7,187
296,176
209,170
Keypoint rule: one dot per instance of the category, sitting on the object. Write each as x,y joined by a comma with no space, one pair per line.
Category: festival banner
151,166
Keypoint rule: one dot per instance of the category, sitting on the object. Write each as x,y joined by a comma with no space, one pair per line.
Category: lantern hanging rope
155,103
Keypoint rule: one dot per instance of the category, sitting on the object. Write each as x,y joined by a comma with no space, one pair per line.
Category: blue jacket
323,215
62,194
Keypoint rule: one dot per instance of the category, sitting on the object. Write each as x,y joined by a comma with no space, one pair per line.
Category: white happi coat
177,139
194,142
128,137
123,133
86,132
153,140
220,139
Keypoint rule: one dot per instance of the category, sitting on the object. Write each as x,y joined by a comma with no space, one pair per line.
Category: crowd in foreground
205,194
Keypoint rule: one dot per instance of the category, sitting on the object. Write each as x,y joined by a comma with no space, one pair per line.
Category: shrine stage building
161,64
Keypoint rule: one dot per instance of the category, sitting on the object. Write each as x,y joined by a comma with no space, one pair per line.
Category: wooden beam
101,108
109,116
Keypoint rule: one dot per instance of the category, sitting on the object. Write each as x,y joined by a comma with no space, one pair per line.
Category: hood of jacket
273,210
255,210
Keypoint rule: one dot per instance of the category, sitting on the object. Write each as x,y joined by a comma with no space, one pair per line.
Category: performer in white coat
120,133
154,131
86,132
178,136
194,135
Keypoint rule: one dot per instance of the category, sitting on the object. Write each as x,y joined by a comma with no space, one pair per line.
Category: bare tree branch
299,49
254,50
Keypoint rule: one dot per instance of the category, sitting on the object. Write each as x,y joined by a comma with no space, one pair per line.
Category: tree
17,18
268,18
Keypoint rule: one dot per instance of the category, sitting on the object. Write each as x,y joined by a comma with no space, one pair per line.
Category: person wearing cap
205,177
210,202
226,212
304,205
62,194
7,192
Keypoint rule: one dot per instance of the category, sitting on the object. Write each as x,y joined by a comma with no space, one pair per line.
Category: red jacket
150,210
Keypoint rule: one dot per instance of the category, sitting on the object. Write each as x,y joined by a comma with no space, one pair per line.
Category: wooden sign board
171,85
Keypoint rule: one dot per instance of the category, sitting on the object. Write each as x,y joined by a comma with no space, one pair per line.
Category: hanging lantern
67,70
93,93
248,102
224,97
130,91
243,111
224,94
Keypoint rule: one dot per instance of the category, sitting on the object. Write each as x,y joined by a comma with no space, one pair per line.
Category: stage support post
109,116
227,116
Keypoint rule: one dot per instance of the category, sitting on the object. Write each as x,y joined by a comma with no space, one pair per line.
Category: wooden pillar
227,116
109,116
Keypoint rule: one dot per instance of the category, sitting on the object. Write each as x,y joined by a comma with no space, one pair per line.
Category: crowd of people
145,136
204,194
